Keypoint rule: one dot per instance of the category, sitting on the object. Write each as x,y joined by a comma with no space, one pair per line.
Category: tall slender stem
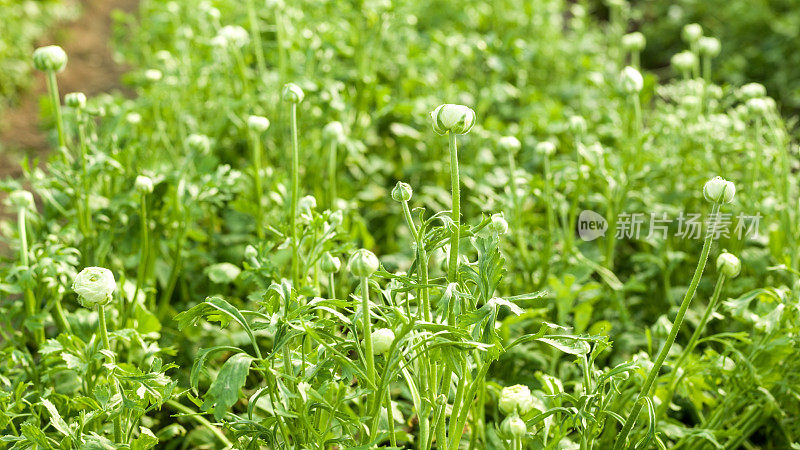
367,325
295,190
52,87
673,333
332,173
455,189
259,191
104,336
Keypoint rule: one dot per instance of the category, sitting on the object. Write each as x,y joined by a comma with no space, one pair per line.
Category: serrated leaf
145,441
55,419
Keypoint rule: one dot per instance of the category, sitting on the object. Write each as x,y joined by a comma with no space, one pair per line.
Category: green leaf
224,391
200,359
145,441
55,419
567,344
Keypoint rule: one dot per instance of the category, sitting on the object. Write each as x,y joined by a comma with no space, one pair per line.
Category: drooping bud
259,124
330,263
51,57
94,286
21,199
292,93
455,119
719,190
363,263
402,192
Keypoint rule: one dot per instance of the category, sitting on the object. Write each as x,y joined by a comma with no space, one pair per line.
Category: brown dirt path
91,69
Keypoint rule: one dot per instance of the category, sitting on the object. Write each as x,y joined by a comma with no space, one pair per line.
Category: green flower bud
198,143
21,199
577,125
382,340
94,286
517,399
144,184
363,263
292,93
684,61
455,119
334,132
633,42
709,46
509,144
250,253
133,118
50,58
729,265
330,263
631,80
719,190
75,100
232,35
402,192
499,224
259,124
692,32
514,426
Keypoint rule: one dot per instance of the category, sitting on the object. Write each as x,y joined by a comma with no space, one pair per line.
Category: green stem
422,265
201,420
107,346
30,299
332,174
293,207
367,324
518,228
255,29
259,191
551,223
673,333
455,189
52,87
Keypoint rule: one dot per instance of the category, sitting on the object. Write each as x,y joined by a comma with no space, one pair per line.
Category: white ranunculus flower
94,286
516,398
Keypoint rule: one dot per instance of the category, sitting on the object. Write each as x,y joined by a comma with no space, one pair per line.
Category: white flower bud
153,75
499,224
753,90
307,203
402,192
51,57
517,399
259,124
133,118
382,340
232,35
577,125
292,93
692,32
729,265
684,61
514,426
330,263
334,132
199,143
631,80
143,184
456,119
363,263
21,199
94,286
758,106
719,190
546,148
75,100
709,46
633,42
509,144
250,252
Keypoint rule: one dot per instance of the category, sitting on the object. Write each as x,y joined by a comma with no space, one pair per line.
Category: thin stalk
52,87
518,228
107,345
332,173
422,265
673,380
390,419
455,189
293,207
620,442
201,420
551,223
367,325
30,299
143,256
259,190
